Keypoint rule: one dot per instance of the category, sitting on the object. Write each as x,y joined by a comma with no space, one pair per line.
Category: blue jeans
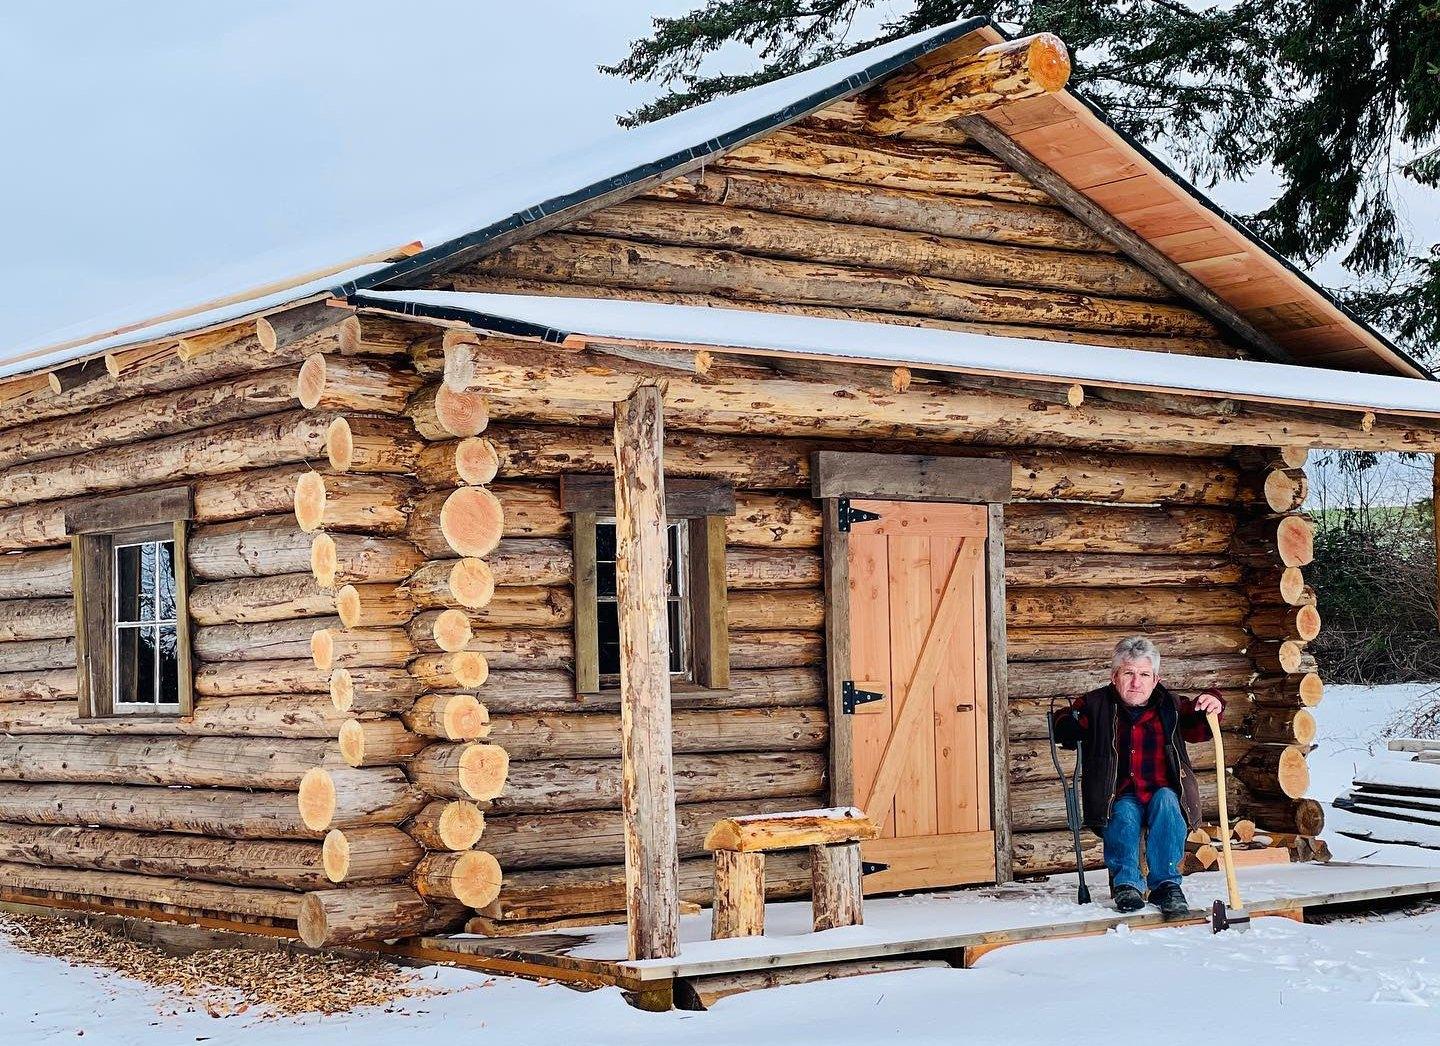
1164,845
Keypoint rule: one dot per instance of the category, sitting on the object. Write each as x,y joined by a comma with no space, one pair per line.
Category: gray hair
1133,649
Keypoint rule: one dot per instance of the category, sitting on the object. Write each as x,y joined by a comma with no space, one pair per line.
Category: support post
1435,523
651,867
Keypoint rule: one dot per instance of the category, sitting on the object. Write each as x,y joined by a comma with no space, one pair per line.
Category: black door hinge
850,515
871,867
850,697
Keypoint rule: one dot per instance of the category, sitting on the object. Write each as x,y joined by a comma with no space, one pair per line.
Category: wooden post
836,886
739,902
1435,523
651,867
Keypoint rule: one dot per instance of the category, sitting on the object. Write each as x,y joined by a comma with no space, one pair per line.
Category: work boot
1127,899
1170,899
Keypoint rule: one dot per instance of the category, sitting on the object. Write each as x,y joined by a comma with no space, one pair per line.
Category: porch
954,926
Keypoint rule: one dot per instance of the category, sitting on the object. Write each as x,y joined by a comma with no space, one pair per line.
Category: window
694,581
132,629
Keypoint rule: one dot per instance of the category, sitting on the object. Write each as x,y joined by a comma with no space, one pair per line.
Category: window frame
699,507
97,528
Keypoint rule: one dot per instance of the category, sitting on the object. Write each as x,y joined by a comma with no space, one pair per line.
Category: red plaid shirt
1141,767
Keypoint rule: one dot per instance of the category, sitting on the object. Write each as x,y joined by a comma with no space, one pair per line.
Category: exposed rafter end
63,379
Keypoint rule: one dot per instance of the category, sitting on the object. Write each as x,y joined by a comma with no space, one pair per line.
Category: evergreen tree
1339,97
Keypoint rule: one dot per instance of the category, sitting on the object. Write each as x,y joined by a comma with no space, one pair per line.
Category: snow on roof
555,318
44,359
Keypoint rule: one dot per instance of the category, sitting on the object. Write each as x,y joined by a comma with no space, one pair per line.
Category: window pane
677,663
135,665
608,615
169,666
134,583
672,558
605,541
165,579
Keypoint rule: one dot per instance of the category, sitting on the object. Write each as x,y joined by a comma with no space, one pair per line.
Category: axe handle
1230,884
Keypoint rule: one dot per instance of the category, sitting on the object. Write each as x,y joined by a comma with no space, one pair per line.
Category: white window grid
149,561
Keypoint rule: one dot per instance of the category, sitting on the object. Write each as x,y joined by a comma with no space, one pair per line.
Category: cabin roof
1062,130
576,322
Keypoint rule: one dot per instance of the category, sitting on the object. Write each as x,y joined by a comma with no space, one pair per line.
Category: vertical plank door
921,755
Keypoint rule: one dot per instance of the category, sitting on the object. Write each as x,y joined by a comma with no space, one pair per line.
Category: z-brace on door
921,753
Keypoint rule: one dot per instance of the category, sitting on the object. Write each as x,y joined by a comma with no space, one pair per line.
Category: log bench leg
739,909
835,885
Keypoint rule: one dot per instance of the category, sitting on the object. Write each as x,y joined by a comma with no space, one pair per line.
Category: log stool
833,838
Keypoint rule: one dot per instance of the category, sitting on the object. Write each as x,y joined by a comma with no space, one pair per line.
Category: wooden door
921,755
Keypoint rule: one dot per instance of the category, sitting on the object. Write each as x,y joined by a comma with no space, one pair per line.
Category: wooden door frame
838,475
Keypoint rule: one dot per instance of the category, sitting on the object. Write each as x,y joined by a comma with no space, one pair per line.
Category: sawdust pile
224,982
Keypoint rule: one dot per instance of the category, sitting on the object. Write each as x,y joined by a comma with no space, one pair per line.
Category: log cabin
794,451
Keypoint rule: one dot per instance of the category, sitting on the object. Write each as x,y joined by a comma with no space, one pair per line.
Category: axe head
1224,918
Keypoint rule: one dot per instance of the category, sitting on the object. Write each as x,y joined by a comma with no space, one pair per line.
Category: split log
203,761
279,597
359,690
774,235
1058,643
373,606
969,84
372,504
1274,770
230,678
35,575
38,655
338,383
43,685
471,877
467,582
247,715
450,717
341,559
1288,622
577,838
454,825
439,412
357,855
587,735
372,445
591,260
909,210
777,608
179,895
345,797
27,619
259,547
289,865
789,831
594,784
378,742
472,461
1302,816
467,770
1100,569
226,813
256,443
327,918
1302,691
1136,609
467,521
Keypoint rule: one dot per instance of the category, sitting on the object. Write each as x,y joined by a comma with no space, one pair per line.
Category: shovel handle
1231,886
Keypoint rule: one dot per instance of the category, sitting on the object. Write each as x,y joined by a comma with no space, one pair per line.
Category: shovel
1233,915
1071,788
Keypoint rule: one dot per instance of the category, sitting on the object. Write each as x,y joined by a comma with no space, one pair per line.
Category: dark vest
1101,766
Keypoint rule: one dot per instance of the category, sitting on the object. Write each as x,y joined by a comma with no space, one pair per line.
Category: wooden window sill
134,717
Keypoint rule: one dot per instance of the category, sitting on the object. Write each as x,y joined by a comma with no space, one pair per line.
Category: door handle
964,708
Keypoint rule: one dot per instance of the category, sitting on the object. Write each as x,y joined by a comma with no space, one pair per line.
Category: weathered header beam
1004,72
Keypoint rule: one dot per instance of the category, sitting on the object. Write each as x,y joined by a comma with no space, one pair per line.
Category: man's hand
1209,702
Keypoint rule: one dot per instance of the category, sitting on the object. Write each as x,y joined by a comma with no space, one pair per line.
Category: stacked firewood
399,658
1248,846
1399,799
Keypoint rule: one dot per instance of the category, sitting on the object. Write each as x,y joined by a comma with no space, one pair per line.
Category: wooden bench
833,838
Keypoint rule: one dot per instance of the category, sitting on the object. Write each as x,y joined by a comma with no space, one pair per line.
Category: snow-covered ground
1356,980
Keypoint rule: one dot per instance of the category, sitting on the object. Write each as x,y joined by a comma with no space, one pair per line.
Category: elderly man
1136,772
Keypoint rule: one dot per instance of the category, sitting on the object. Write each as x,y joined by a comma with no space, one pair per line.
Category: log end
469,668
347,605
310,384
483,770
461,413
335,855
352,742
322,649
342,689
463,718
317,799
476,460
1312,689
1048,61
471,519
324,560
310,500
451,630
460,825
472,583
340,445
312,921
